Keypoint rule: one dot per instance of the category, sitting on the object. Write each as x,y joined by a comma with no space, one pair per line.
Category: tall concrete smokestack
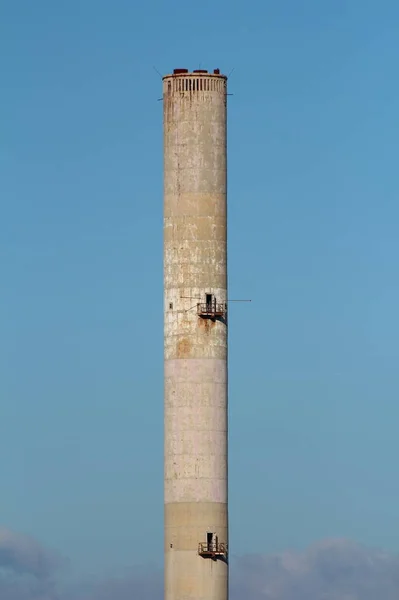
195,335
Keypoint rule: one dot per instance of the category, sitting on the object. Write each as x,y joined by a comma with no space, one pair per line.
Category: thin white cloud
26,568
328,570
24,555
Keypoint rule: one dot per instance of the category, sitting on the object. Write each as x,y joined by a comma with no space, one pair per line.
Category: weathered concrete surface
195,350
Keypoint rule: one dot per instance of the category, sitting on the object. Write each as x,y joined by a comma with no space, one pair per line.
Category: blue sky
313,212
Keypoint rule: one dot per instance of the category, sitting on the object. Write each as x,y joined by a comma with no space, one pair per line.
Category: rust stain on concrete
206,324
183,348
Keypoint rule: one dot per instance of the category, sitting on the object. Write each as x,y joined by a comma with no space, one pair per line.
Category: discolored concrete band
195,349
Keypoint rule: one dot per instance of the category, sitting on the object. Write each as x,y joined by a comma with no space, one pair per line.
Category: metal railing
212,549
214,309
